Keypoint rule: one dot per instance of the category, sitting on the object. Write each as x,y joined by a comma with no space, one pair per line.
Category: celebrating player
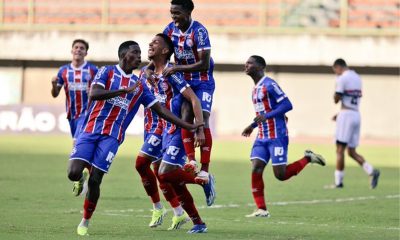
115,96
270,104
151,152
76,78
172,90
348,92
193,58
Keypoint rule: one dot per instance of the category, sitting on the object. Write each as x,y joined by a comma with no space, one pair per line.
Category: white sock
339,177
84,222
368,168
178,211
157,205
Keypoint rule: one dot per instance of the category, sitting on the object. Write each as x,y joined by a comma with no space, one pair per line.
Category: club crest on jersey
189,42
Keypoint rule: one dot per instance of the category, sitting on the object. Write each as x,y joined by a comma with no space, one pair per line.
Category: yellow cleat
78,186
82,230
158,217
178,221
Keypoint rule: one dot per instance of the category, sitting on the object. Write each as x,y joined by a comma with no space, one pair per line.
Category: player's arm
170,117
202,65
337,97
55,89
97,91
189,95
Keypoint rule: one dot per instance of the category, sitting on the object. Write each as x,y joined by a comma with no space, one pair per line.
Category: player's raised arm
170,117
203,64
97,92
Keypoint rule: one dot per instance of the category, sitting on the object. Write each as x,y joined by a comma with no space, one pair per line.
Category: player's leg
278,151
188,136
104,154
259,158
343,135
80,162
92,196
149,181
180,217
174,175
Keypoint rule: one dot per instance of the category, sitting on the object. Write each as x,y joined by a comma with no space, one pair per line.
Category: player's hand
132,88
150,77
247,131
191,167
199,138
334,117
260,118
169,71
54,80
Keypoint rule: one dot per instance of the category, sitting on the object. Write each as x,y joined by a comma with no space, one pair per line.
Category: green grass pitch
36,200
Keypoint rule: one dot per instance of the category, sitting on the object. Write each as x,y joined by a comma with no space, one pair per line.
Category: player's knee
142,164
74,175
280,176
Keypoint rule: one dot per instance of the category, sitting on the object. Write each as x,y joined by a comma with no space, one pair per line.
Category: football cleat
374,178
209,190
82,230
178,221
157,217
259,213
78,186
198,228
315,158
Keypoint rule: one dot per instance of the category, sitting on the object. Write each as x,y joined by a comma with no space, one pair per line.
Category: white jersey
349,86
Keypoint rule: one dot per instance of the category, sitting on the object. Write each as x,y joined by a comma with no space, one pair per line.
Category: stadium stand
375,14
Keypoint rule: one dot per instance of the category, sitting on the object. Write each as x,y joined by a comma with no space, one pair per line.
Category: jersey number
153,140
354,100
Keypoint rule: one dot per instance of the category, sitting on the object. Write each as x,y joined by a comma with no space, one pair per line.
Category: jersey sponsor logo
176,79
259,107
77,86
183,54
277,89
202,36
153,140
99,73
278,151
120,102
207,97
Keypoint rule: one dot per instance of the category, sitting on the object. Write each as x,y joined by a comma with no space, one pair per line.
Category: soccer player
151,152
270,104
76,78
193,58
348,92
173,89
115,96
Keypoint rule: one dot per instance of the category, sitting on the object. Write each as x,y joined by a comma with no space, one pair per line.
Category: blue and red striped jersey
266,96
76,82
112,116
187,45
168,93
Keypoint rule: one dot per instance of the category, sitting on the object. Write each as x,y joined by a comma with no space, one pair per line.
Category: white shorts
348,123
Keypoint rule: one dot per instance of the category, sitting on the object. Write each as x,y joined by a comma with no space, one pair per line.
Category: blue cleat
209,190
198,228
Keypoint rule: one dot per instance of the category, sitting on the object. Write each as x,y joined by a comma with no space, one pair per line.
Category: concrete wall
227,48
